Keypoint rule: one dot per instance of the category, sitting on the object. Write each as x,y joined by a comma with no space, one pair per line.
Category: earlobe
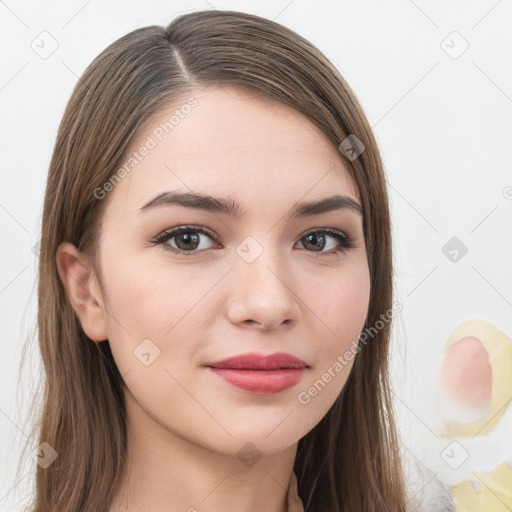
80,282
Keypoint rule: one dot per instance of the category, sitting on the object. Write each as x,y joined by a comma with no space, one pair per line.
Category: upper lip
253,361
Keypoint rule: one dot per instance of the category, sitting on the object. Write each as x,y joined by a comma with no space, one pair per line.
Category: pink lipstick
260,374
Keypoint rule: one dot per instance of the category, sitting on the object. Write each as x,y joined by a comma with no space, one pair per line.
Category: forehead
232,141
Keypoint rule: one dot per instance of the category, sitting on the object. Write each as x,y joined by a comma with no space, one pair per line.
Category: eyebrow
229,207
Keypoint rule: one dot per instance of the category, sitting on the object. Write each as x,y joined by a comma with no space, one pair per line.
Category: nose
262,292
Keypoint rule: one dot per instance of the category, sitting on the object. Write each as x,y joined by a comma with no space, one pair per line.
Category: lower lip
264,382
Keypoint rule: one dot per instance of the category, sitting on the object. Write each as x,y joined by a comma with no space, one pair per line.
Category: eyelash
345,242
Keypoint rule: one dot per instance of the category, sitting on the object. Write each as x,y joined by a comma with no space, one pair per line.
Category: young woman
215,290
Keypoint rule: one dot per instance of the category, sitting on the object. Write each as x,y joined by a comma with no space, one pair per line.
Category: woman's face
263,281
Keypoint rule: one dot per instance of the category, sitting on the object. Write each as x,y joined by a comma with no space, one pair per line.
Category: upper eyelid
207,231
210,232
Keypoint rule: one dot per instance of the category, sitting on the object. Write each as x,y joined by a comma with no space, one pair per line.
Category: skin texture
185,424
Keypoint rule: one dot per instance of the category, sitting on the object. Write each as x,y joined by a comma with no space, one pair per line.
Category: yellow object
485,492
499,349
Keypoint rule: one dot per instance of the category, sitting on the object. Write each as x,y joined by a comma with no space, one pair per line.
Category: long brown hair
351,459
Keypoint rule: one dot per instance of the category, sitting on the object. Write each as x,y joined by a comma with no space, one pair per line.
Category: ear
82,289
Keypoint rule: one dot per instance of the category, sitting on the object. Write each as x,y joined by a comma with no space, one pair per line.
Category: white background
443,125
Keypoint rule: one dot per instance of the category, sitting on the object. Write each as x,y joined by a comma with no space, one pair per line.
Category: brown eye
316,241
185,240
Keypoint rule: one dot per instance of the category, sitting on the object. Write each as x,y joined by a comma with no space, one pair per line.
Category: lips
260,374
255,361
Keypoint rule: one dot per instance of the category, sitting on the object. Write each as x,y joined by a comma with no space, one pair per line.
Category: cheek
150,299
343,305
145,303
